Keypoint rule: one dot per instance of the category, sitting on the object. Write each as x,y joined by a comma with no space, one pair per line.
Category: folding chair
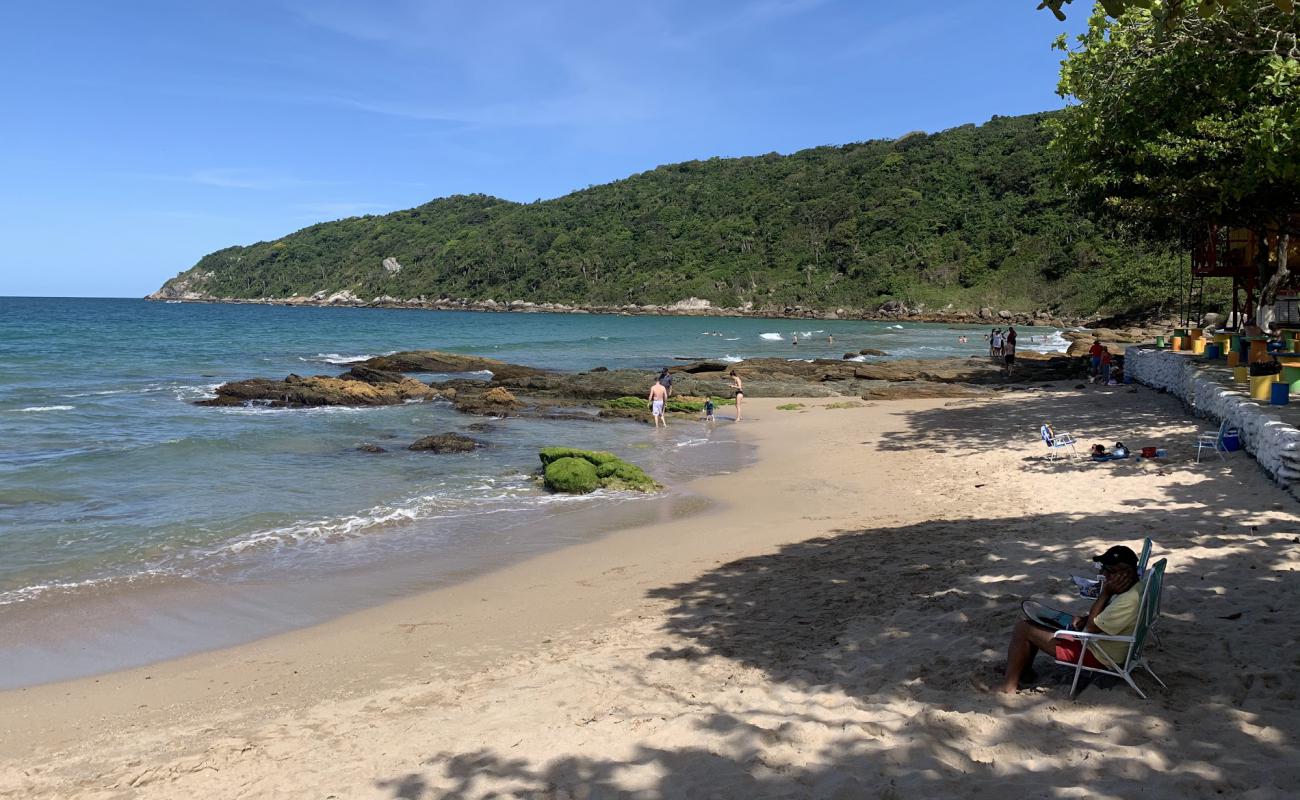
1055,441
1099,661
1213,440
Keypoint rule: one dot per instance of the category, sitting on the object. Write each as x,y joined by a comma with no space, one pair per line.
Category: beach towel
1110,457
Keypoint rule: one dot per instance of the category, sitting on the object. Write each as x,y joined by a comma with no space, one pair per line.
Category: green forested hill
969,216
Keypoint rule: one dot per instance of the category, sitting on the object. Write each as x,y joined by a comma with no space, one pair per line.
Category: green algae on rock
571,476
573,471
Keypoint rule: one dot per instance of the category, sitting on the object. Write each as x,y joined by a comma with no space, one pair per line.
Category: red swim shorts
1068,650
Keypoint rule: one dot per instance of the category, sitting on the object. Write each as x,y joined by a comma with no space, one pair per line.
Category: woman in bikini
739,388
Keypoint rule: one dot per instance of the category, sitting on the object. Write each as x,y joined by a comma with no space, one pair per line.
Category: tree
1165,12
1197,123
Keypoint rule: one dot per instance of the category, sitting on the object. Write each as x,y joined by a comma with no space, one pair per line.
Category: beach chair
1213,440
1089,588
1055,441
1103,664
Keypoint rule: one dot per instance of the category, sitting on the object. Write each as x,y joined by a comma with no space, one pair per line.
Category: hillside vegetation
969,216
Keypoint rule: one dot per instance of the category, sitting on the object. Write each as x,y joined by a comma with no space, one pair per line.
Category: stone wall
1273,443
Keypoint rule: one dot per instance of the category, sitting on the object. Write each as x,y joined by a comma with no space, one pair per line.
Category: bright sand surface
825,632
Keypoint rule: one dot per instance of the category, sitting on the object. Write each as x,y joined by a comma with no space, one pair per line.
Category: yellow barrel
1198,346
1240,374
1234,358
1224,341
1261,387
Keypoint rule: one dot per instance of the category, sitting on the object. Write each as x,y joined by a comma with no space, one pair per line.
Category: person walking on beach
658,395
995,344
739,387
708,409
1010,338
1009,352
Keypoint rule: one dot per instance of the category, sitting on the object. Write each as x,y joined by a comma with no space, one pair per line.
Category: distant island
942,225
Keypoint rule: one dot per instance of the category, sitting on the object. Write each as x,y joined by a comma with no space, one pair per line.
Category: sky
137,136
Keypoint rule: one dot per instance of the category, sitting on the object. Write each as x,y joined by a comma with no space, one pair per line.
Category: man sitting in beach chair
1115,612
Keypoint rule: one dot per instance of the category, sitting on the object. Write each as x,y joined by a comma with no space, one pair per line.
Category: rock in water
367,447
447,443
321,390
496,402
574,471
571,476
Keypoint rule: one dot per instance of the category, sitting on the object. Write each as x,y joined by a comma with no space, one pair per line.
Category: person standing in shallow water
739,387
658,396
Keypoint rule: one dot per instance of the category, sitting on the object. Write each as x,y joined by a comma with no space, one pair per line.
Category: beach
829,629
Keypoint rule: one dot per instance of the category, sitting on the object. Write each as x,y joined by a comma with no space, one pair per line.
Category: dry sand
826,633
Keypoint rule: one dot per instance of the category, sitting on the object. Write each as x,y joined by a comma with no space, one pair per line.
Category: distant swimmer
830,338
658,394
796,339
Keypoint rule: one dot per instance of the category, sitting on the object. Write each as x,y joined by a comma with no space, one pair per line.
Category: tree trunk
1268,295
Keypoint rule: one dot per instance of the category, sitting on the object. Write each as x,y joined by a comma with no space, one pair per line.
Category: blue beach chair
1055,441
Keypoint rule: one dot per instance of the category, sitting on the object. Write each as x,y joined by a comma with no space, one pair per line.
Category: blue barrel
1211,351
1231,442
1281,394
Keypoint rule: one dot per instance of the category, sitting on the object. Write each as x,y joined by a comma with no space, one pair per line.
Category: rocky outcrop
494,402
446,443
437,361
515,390
318,390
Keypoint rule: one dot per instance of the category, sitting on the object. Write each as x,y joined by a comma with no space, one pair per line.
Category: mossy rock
626,401
622,475
574,471
595,457
789,407
682,405
571,476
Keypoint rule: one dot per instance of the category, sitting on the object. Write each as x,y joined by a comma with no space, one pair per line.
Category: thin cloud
225,178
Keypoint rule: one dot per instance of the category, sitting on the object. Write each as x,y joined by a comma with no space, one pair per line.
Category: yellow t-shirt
1119,618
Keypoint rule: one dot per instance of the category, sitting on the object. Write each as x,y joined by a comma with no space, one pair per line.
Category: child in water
708,410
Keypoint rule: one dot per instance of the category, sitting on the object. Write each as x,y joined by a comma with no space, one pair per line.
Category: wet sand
828,630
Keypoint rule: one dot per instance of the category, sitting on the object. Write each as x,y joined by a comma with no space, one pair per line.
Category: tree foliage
972,215
1166,12
1199,123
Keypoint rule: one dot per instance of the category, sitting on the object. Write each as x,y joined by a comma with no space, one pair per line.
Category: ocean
135,525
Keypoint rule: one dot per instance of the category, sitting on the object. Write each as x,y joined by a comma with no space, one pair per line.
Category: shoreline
119,625
686,308
822,631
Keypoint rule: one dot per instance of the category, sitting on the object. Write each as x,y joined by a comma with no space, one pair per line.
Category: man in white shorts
658,394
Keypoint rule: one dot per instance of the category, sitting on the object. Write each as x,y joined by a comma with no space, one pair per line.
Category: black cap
1119,554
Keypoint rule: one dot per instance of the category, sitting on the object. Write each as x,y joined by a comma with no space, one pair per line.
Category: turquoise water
112,480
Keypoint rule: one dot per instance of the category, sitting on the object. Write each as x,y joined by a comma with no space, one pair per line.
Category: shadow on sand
913,620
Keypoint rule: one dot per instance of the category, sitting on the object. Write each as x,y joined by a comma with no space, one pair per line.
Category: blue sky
137,136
